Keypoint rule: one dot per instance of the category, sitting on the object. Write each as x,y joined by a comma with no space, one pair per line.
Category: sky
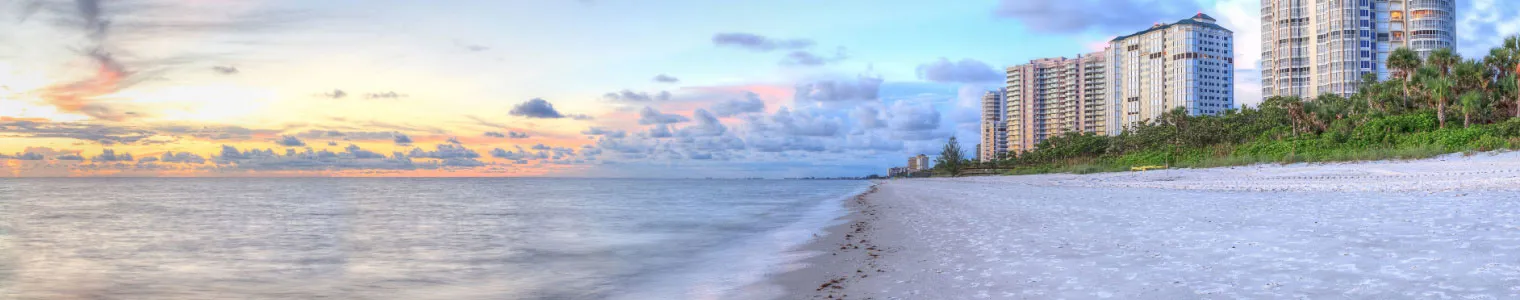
570,88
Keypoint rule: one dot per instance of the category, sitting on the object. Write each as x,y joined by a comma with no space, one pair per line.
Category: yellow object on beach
1147,168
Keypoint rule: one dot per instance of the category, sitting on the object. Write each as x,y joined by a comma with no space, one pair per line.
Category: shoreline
844,253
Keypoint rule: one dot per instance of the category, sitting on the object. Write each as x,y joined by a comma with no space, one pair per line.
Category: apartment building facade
1311,48
1052,96
1188,64
994,129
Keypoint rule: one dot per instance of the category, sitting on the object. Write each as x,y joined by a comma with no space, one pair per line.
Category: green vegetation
1445,104
951,160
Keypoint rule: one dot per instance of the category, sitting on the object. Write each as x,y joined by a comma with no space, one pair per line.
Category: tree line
1443,103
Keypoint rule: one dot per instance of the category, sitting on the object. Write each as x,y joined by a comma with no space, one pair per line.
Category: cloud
290,141
109,155
1105,16
631,96
662,78
86,131
1483,25
759,43
659,131
536,108
964,71
861,89
509,134
225,70
749,103
789,123
599,131
807,58
402,139
444,151
384,95
336,94
707,125
352,158
495,134
650,116
181,157
454,140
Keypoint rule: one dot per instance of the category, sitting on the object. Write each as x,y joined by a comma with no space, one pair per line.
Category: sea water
362,238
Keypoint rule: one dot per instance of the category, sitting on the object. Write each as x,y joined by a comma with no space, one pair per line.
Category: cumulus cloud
599,131
749,103
861,89
290,141
87,131
402,139
538,108
914,122
181,157
109,155
963,71
650,116
444,151
662,78
757,42
1483,25
631,96
707,125
659,131
1106,16
495,134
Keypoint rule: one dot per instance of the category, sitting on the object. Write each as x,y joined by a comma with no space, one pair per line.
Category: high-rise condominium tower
1052,96
1319,47
1187,64
994,130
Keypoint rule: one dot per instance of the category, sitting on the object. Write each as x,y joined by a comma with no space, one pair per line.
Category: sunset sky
588,88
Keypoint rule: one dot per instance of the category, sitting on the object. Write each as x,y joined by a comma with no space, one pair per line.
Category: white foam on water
739,271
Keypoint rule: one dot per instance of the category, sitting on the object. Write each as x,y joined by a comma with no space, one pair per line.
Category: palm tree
1472,102
1443,59
1512,46
1439,87
1404,62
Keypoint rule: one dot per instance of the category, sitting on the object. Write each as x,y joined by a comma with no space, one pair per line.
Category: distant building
897,171
1049,97
1188,64
994,129
1311,48
918,163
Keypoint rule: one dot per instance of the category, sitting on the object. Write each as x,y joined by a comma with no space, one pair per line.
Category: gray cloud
650,116
707,125
750,103
1106,16
495,134
335,94
861,89
384,95
808,58
225,70
757,42
444,151
402,139
109,155
538,108
659,131
662,78
87,131
631,96
290,141
914,117
599,131
963,71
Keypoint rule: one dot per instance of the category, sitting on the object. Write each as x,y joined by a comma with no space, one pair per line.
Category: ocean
367,238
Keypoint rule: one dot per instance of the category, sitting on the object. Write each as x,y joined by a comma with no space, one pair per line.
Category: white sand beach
1442,228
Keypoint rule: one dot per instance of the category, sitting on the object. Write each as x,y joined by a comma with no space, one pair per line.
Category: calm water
404,238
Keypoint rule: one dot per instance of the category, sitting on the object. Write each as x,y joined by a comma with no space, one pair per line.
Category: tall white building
1188,64
1319,47
994,130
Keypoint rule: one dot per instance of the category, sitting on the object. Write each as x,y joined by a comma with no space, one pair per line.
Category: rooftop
1198,20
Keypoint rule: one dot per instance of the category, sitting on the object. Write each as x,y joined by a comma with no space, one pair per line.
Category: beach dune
1429,229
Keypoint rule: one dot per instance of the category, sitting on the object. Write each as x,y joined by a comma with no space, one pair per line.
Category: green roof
1188,21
